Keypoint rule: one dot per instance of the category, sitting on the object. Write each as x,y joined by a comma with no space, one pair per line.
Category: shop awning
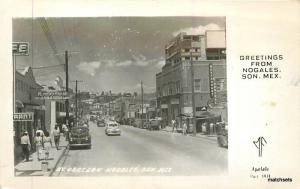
208,116
184,115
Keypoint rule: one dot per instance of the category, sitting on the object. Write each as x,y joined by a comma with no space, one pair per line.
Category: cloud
198,30
140,60
123,63
136,60
89,67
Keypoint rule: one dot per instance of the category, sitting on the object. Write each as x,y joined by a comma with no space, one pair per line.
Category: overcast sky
113,53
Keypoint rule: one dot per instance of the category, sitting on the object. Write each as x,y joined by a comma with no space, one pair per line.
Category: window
187,58
186,99
201,108
178,87
195,38
216,54
57,107
197,84
220,84
186,50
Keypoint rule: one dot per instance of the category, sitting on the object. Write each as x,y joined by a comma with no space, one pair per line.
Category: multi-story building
207,53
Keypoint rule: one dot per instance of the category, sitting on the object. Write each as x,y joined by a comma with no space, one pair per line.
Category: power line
49,37
43,67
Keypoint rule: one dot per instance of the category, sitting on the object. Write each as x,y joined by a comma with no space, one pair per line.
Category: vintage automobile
80,136
112,128
154,124
101,123
223,137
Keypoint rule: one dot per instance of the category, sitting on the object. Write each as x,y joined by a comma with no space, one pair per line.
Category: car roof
80,127
112,122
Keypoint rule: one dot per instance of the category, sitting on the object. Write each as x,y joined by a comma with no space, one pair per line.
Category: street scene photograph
119,96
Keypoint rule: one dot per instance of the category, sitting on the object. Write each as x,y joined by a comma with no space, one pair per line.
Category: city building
56,109
207,53
26,89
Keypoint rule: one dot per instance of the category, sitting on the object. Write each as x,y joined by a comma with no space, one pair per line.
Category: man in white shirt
56,135
184,128
25,142
65,130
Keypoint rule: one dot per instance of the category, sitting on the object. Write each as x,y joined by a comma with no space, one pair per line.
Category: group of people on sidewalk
42,142
175,126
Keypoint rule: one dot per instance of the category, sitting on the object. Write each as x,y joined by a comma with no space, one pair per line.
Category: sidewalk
199,135
34,167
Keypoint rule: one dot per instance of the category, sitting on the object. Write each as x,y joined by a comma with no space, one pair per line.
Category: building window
197,84
177,86
186,50
187,58
195,38
216,54
220,84
186,99
57,107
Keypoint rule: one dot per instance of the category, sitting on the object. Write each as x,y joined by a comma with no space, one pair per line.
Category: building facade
207,53
26,89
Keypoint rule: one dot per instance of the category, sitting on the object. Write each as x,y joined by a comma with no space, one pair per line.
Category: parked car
223,137
154,124
80,136
112,128
92,118
129,121
101,123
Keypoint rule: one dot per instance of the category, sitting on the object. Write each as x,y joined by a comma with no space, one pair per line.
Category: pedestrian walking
47,145
56,135
38,140
41,133
25,143
184,128
39,130
65,131
173,125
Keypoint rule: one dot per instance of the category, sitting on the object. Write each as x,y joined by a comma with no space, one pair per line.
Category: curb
58,160
205,138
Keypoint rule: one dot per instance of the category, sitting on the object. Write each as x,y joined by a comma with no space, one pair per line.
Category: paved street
142,152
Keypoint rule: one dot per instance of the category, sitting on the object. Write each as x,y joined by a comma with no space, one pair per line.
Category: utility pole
76,103
67,86
79,103
76,118
193,97
142,95
109,99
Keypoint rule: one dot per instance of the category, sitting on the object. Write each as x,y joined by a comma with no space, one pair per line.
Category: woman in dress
38,140
47,145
